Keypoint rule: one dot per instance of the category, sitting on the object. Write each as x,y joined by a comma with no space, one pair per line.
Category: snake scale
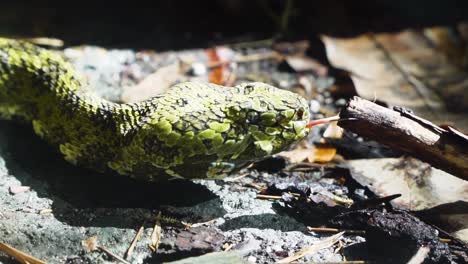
194,130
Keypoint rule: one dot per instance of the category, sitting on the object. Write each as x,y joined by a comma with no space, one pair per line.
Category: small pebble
319,98
19,189
328,100
198,69
314,106
252,259
283,84
340,102
360,193
339,192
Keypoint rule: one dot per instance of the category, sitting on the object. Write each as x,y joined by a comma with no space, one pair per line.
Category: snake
194,130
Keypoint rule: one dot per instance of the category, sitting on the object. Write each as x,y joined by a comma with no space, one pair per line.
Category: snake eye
300,113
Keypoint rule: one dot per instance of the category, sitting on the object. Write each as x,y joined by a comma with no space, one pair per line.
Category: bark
444,148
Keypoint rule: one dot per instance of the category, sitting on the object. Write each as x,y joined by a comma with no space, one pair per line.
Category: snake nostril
252,117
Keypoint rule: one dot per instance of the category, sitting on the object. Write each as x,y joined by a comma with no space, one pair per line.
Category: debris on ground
340,195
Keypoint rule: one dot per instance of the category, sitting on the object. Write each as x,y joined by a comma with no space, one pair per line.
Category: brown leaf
154,84
322,154
403,69
448,44
421,187
303,63
219,56
296,155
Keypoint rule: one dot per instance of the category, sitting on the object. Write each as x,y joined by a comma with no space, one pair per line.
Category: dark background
163,25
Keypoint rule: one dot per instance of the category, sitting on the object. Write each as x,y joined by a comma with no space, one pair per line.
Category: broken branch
445,149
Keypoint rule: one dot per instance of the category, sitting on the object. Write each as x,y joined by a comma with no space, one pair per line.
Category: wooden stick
19,255
134,242
267,196
420,255
446,149
113,255
336,230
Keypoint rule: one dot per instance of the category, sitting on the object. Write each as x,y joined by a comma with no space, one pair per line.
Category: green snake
194,130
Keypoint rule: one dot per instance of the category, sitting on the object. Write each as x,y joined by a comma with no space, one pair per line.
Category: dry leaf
323,154
403,69
303,63
297,155
421,186
90,244
154,84
446,41
220,56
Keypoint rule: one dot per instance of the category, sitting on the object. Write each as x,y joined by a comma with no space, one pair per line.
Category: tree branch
444,148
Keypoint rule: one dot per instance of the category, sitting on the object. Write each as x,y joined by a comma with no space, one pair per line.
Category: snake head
275,118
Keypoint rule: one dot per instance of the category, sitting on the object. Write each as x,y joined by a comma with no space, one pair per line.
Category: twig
402,130
130,249
112,254
19,255
206,223
156,234
420,255
229,247
336,230
256,186
324,243
445,240
266,196
243,175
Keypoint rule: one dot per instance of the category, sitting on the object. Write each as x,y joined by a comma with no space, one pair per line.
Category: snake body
194,130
